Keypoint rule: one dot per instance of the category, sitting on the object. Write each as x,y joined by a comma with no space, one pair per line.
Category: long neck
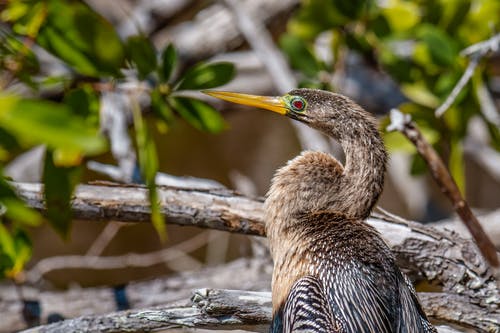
364,170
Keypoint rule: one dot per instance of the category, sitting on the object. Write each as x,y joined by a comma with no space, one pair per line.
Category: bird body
332,271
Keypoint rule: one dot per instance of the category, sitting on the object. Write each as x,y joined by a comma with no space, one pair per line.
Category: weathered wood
436,255
214,208
460,310
441,256
208,308
253,274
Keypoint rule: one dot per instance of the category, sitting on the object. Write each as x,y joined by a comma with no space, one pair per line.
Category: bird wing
412,316
377,302
365,302
307,310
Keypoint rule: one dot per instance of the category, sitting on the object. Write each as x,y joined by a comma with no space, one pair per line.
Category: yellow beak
275,104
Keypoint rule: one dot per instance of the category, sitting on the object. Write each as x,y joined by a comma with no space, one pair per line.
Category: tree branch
442,256
219,209
442,177
220,309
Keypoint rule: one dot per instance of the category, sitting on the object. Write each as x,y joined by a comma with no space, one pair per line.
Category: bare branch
253,274
475,53
469,71
95,262
446,183
483,48
420,250
215,209
162,179
219,309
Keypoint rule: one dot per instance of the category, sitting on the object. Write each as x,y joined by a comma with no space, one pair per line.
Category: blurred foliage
97,60
417,43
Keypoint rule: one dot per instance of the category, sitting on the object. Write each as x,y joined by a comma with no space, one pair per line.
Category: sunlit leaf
59,184
456,164
401,15
420,94
43,122
397,142
206,76
168,61
15,251
142,53
23,250
199,114
148,163
17,211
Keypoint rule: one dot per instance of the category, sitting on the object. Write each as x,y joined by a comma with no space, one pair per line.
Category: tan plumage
332,271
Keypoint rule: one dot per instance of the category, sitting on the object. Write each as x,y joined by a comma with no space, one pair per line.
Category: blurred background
109,90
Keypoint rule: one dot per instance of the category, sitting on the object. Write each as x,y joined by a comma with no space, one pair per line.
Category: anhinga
332,271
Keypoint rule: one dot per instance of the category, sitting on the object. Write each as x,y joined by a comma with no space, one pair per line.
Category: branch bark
442,177
214,309
213,208
440,256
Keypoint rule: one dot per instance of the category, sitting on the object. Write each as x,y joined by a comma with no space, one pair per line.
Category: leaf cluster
95,61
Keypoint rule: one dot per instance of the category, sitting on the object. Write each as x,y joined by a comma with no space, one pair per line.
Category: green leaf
401,15
59,184
17,211
42,122
299,55
15,251
142,53
148,164
420,94
168,61
442,48
84,102
395,142
314,17
206,76
160,107
82,38
456,164
199,114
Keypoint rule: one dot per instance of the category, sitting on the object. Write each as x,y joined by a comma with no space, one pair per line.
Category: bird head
319,109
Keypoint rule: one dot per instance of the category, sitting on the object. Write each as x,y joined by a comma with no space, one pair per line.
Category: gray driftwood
208,308
440,256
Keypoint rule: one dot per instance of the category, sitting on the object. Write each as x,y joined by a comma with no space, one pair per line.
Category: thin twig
440,174
469,71
161,179
475,53
105,237
47,265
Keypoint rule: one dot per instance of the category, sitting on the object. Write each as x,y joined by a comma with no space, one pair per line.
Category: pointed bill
275,104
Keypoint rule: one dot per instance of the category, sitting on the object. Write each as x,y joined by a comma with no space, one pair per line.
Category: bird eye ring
297,104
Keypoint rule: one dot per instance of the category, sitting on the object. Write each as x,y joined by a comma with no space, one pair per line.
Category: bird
332,271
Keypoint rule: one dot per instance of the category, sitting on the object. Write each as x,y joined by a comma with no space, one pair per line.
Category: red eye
298,104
